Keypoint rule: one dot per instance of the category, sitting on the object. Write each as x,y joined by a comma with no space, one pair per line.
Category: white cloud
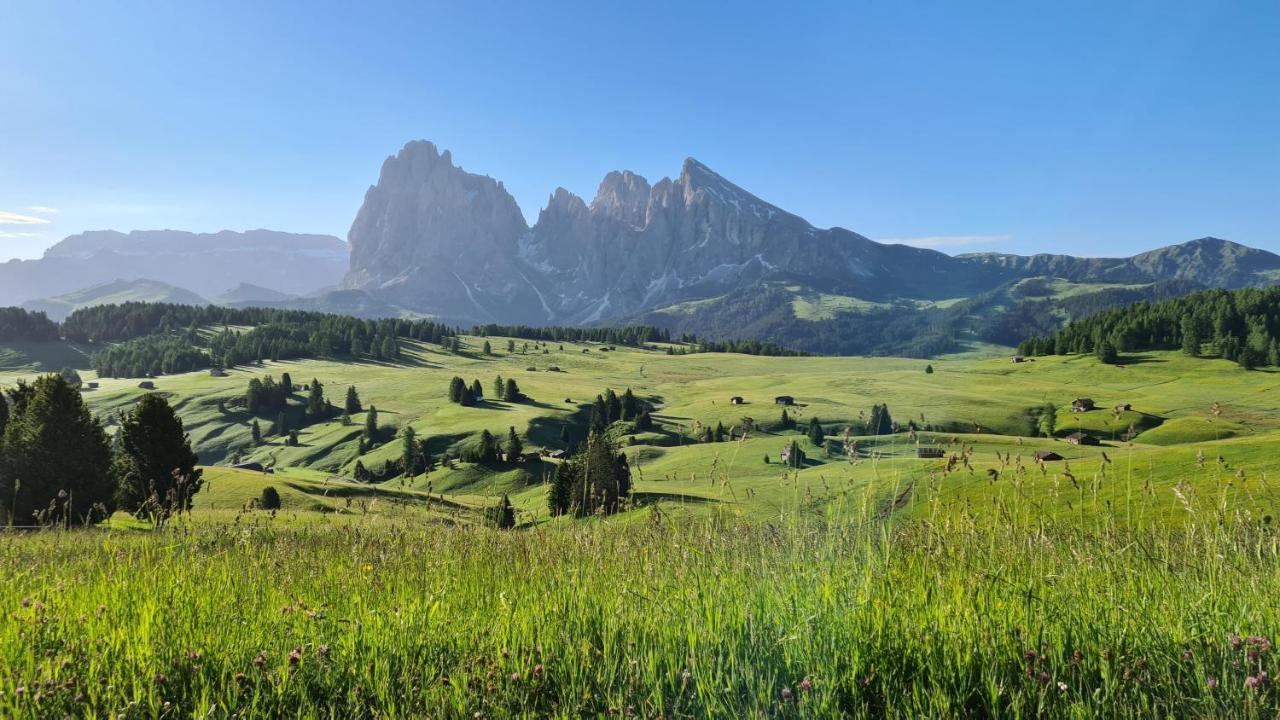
9,218
17,235
947,241
44,210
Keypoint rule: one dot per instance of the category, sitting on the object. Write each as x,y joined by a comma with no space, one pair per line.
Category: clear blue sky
1090,128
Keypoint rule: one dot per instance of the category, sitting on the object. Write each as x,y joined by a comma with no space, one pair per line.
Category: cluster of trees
610,407
19,324
58,466
596,480
634,336
150,356
488,451
334,338
1238,325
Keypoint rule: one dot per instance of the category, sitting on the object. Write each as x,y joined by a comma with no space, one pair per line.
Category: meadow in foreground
648,616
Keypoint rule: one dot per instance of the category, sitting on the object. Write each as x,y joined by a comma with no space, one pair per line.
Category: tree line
1238,325
19,324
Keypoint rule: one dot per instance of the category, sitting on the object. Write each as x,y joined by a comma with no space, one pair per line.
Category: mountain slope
118,291
206,264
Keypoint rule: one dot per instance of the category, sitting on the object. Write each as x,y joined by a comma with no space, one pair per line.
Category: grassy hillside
989,406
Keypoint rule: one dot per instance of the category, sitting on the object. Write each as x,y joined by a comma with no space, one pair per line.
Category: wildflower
1077,657
1106,655
295,657
786,693
260,659
1043,677
805,684
1236,641
538,670
1251,682
1129,674
240,678
1142,663
1062,686
322,651
1211,682
1029,655
1187,655
160,678
25,602
515,677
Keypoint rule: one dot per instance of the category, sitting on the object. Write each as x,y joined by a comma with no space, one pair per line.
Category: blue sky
1089,128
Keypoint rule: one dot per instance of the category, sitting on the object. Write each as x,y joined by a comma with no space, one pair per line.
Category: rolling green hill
988,408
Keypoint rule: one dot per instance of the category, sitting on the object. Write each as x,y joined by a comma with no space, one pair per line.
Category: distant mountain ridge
436,239
115,292
203,263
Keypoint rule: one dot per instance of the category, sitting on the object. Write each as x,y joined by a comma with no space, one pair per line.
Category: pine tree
786,421
564,435
488,349
1048,420
293,438
499,387
630,406
514,448
511,347
352,405
612,406
560,495
928,369
477,390
256,432
503,515
357,348
1190,336
287,383
269,499
56,459
599,416
282,424
371,425
721,434
881,423
317,408
409,451
644,421
156,465
816,434
512,392
4,416
456,387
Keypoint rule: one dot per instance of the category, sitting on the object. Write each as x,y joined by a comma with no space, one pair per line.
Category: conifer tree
256,432
156,465
477,390
816,435
371,425
514,448
409,451
55,463
352,405
512,392
488,349
499,387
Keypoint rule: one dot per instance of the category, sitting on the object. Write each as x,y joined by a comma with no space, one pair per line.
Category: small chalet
553,368
1124,407
147,385
784,400
736,400
557,454
530,457
1082,439
1019,358
1082,405
930,452
1047,456
217,372
91,386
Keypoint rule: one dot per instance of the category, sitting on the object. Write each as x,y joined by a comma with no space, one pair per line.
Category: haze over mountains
206,264
696,253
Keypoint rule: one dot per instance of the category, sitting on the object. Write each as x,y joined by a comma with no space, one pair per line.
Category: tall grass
651,617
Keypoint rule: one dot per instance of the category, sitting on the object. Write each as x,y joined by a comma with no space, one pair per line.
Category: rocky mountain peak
622,195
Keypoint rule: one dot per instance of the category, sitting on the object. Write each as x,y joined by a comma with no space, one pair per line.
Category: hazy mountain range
694,254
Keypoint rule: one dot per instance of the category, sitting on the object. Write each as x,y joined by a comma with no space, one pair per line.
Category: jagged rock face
434,238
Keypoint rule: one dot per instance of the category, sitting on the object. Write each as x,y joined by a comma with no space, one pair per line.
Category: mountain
700,254
206,264
250,294
118,291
